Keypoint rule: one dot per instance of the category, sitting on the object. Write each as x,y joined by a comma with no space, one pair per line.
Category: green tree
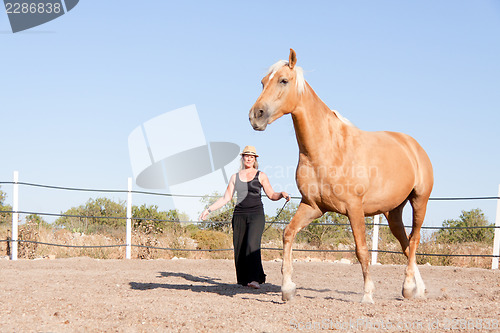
93,216
2,197
37,220
4,217
150,220
467,228
96,215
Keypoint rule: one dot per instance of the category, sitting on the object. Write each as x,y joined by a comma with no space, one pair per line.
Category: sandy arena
88,295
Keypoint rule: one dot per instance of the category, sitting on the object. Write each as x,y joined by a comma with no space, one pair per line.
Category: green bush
92,217
471,220
150,220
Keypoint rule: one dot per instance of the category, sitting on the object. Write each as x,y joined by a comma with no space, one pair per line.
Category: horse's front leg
304,215
357,219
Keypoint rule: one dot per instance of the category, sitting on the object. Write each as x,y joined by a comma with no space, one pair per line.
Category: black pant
247,234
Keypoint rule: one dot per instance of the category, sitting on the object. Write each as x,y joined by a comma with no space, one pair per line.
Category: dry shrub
456,249
272,233
75,245
307,251
271,254
325,252
63,235
27,245
146,242
445,254
28,232
213,240
184,242
397,258
4,235
145,235
172,236
476,249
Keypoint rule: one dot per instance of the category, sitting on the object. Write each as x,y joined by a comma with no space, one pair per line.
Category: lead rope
276,217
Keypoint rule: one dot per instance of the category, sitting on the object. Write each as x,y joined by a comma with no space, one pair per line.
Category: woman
248,217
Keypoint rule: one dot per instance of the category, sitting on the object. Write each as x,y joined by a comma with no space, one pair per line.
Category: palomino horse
346,170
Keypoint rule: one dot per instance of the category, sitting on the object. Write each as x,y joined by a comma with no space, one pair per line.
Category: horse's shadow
343,296
203,284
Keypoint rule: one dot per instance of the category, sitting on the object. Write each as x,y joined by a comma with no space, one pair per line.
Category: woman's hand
221,201
204,215
285,195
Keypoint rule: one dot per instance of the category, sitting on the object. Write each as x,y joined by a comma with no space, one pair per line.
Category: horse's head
282,87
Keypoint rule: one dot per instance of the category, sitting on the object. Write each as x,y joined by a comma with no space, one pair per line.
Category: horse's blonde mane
301,82
342,118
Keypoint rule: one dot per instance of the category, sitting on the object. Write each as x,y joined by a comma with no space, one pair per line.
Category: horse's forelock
276,67
301,83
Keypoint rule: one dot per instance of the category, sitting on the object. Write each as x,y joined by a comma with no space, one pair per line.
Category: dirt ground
88,295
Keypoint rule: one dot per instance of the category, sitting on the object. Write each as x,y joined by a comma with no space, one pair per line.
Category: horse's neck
316,126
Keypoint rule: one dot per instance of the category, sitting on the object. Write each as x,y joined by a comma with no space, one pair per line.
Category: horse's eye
283,81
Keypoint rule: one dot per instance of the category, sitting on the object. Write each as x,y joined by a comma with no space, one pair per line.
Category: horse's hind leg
395,219
413,285
304,215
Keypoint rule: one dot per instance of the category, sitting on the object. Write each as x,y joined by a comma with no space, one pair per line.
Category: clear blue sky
74,88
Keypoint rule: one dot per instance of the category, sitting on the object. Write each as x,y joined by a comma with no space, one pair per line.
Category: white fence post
129,220
15,217
376,225
496,240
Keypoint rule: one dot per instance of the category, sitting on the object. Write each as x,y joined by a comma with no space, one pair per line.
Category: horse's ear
292,59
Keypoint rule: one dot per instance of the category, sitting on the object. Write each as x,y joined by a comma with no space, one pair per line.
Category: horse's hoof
287,294
408,293
409,288
411,291
367,299
414,288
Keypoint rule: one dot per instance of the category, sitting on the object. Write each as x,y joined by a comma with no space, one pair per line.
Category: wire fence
262,248
225,222
81,189
495,256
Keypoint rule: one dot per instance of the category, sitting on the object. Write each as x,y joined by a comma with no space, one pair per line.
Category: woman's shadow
203,284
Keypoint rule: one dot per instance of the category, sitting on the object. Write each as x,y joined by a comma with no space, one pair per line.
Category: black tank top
248,196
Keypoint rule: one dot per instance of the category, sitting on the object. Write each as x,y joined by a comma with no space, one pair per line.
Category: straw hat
249,150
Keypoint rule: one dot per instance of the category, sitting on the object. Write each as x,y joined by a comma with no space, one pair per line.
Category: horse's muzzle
258,118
